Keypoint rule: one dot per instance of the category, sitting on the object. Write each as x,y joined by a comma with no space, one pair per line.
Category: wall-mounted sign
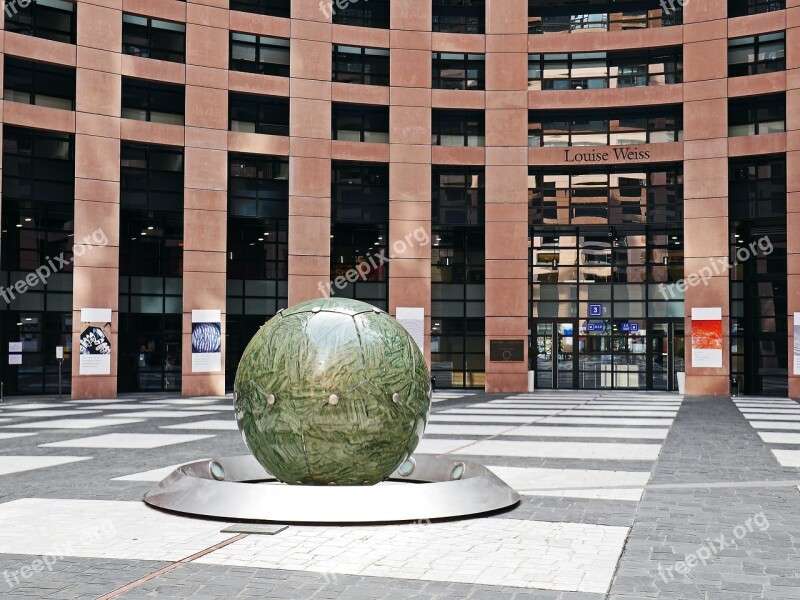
413,320
595,326
797,343
629,327
15,346
598,156
595,310
60,352
95,342
507,350
206,341
707,337
15,359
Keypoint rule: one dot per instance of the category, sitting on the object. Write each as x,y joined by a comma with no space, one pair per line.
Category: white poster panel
413,320
15,346
797,343
707,337
95,342
15,359
206,341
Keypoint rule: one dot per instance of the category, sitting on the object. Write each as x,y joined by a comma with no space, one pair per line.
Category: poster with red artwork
707,337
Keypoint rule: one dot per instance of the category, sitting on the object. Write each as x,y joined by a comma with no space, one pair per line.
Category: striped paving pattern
777,421
588,445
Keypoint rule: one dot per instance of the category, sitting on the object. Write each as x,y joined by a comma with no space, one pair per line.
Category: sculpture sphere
332,391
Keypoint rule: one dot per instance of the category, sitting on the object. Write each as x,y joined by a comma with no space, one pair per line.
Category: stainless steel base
238,488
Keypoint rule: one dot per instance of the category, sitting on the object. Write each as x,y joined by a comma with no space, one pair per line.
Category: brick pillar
205,210
310,149
506,187
410,156
97,174
705,65
793,178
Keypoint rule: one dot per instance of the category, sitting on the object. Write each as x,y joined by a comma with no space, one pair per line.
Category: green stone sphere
332,391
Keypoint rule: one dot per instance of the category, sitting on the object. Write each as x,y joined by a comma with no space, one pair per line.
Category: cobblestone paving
711,442
701,487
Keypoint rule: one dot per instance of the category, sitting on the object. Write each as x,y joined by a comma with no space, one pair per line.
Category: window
38,219
259,54
756,115
606,196
741,8
151,177
150,267
355,64
151,38
39,83
258,229
360,231
611,127
258,186
757,188
361,13
273,8
599,70
562,17
48,19
360,123
145,100
458,261
757,54
360,192
459,16
458,127
458,71
258,114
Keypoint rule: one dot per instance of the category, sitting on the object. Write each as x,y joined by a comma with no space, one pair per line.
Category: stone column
97,174
506,188
705,167
205,203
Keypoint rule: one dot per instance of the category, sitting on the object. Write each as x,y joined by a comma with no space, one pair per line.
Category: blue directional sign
595,310
629,327
595,326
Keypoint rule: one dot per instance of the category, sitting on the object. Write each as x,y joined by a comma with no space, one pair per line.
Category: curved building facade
578,196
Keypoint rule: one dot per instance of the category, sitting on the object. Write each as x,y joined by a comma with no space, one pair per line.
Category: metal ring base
244,491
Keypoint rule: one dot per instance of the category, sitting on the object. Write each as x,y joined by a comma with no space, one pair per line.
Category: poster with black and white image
206,341
95,342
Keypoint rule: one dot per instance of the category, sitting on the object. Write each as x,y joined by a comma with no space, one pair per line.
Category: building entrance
606,354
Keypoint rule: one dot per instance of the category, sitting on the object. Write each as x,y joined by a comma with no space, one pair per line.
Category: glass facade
606,254
150,268
258,237
38,212
759,300
458,271
360,232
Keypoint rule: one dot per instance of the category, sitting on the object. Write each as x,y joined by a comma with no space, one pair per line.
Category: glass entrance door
554,355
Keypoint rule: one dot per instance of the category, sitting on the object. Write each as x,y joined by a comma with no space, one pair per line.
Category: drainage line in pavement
168,568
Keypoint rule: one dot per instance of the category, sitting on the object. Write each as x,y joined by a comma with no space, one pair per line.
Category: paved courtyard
624,496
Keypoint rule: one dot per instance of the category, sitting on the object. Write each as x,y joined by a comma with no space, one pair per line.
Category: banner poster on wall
797,343
206,341
413,320
707,337
95,342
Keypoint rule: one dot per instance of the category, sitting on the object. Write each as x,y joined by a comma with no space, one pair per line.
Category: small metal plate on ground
255,528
